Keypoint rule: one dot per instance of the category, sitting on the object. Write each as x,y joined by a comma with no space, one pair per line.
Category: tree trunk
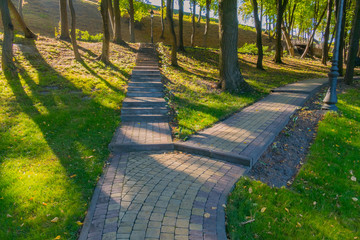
206,32
281,5
259,46
354,45
21,2
181,25
132,21
117,36
230,75
64,35
7,48
193,23
20,20
162,19
73,31
311,38
325,48
111,17
199,18
106,39
172,32
289,44
342,43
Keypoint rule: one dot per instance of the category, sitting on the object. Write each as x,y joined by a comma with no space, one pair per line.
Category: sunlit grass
57,117
323,201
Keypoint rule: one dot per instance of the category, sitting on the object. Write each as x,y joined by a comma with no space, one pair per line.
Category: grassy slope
199,104
57,118
322,203
42,16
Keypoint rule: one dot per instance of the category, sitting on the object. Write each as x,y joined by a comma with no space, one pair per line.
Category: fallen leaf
263,209
79,223
354,199
73,176
55,220
287,210
314,203
298,224
8,215
250,190
58,237
45,204
353,178
207,215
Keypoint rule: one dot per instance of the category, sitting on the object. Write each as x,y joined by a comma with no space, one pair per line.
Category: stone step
144,74
145,79
146,89
146,67
148,110
144,102
146,71
133,147
145,84
144,94
144,118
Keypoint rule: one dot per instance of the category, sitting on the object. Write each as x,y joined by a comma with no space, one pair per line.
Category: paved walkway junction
150,191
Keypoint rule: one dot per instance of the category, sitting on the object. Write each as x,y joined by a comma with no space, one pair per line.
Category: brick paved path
149,192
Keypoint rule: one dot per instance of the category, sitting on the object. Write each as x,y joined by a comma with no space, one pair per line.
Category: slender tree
111,17
21,3
181,25
170,21
64,25
162,19
200,10
192,39
132,21
325,48
73,31
7,48
117,36
342,42
259,46
231,78
354,45
104,57
206,32
27,32
281,6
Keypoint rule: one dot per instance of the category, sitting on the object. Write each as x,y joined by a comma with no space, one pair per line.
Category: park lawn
197,102
322,203
57,117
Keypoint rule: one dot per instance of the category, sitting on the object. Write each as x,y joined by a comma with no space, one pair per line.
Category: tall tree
162,19
342,42
73,31
200,11
192,39
64,25
7,48
111,17
21,3
132,21
325,48
281,6
258,35
231,78
206,32
117,36
104,57
354,45
170,21
27,32
181,25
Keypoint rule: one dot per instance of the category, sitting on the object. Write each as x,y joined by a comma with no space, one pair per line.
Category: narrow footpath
149,191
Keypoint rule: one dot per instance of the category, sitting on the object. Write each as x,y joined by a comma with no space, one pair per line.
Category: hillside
42,16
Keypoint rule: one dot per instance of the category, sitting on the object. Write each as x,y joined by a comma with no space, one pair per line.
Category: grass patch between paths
323,201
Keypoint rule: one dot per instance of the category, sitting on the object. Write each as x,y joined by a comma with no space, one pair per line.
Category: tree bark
342,43
117,36
162,19
7,48
27,32
73,31
111,17
289,44
230,75
172,32
281,5
311,39
21,3
354,45
132,21
206,32
181,25
64,34
259,46
199,18
325,48
104,57
193,23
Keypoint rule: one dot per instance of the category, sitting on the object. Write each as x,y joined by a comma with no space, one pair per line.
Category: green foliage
250,48
141,8
323,202
86,37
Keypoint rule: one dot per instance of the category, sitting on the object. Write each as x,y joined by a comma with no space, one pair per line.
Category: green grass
192,86
322,202
57,117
